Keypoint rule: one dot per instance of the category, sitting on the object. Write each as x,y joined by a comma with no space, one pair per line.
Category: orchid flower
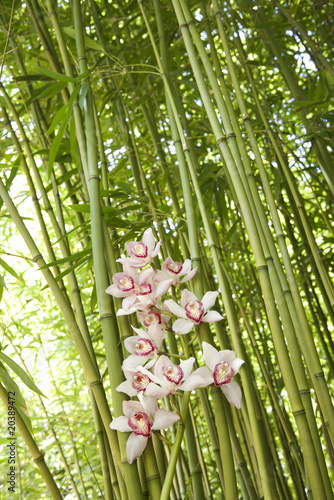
136,381
174,270
137,288
220,369
141,418
142,252
143,346
192,311
148,317
167,377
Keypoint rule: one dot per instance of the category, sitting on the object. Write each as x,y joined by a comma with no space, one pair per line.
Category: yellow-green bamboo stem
37,454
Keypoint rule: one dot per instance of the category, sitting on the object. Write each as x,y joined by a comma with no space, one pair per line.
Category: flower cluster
149,373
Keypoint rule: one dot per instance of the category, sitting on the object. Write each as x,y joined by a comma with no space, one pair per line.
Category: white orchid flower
220,369
192,311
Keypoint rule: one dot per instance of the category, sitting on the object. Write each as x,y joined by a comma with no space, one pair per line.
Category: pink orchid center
143,347
143,289
222,373
151,317
125,283
194,310
140,423
139,250
140,381
174,267
173,374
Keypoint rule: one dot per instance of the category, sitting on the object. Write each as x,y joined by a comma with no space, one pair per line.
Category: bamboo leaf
56,76
20,373
9,269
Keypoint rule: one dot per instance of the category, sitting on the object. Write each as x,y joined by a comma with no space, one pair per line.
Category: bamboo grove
208,126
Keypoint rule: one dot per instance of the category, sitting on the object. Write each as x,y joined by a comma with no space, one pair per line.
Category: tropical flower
143,346
174,270
192,311
137,288
220,369
142,252
136,381
148,317
141,418
167,377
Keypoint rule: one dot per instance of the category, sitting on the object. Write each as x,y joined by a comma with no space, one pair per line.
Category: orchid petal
120,424
236,365
186,297
189,276
199,378
135,446
209,300
156,334
156,251
227,355
131,407
175,308
187,366
123,312
233,393
127,388
182,326
115,291
145,275
148,403
164,419
149,240
186,267
162,287
210,355
128,302
156,391
212,317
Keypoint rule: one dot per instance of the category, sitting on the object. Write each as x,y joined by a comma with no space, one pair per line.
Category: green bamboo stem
203,91
99,436
88,365
302,330
37,454
152,471
53,432
252,233
321,153
104,303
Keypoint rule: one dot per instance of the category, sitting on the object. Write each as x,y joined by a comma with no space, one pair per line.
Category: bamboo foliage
210,124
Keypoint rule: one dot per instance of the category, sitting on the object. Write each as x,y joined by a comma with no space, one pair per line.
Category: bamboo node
298,412
304,391
221,139
262,267
94,177
82,58
104,316
245,118
194,259
320,374
52,13
184,25
96,382
231,136
41,457
156,476
38,256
